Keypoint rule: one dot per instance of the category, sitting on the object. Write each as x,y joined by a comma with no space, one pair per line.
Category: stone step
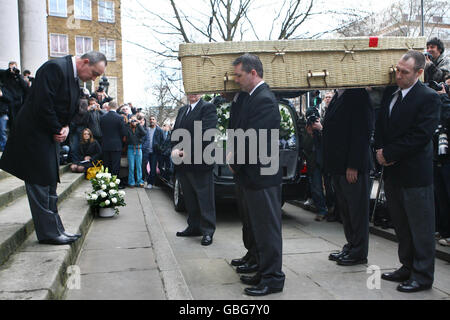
12,188
36,271
16,223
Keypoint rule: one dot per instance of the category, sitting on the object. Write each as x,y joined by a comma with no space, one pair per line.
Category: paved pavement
137,256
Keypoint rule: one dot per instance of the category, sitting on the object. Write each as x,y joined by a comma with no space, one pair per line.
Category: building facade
34,31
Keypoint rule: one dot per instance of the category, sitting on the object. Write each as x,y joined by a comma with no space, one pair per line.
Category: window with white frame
106,11
89,85
112,90
59,45
57,8
82,45
83,9
108,48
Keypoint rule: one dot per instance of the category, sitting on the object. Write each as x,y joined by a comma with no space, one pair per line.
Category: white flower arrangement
105,193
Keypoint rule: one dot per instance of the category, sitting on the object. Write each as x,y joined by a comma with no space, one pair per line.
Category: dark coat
258,111
347,128
113,130
31,153
91,149
135,138
5,100
158,140
406,136
207,114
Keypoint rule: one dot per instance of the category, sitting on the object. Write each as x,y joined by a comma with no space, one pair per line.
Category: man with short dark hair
152,146
407,120
438,66
261,191
32,150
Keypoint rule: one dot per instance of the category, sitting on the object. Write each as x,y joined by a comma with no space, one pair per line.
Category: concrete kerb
174,283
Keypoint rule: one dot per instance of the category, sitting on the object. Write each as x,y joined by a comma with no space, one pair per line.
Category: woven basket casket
298,64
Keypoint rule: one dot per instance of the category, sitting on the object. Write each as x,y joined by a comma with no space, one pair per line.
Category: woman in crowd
89,151
135,135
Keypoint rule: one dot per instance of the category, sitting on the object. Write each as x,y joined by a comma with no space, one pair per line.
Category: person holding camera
437,67
28,78
152,147
15,83
135,135
347,128
442,168
312,148
403,140
93,119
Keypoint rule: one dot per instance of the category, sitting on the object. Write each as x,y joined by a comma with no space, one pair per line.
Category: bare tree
402,18
168,102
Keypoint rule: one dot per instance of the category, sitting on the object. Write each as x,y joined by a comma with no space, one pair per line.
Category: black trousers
353,203
412,214
111,160
264,210
43,205
198,193
247,234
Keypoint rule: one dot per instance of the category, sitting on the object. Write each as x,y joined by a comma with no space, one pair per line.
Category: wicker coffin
298,64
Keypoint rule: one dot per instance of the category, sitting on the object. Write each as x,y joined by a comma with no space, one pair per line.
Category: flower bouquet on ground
106,196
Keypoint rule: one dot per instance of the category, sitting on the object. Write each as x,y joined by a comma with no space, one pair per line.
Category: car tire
178,200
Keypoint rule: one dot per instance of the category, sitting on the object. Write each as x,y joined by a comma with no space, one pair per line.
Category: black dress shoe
261,290
61,240
251,280
189,233
207,240
71,235
399,275
240,261
336,255
248,267
412,286
347,260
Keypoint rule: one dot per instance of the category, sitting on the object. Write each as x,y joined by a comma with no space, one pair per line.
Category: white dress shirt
262,81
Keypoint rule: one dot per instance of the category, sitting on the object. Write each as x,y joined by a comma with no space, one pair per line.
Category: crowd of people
343,142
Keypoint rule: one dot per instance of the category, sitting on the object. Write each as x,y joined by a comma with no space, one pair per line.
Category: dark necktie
396,104
188,111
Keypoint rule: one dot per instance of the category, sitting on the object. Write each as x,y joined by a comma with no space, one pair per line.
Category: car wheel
178,200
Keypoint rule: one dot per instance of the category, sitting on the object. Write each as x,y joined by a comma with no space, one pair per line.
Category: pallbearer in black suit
404,130
32,151
196,177
261,190
347,128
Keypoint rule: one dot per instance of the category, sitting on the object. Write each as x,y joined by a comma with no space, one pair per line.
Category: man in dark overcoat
32,151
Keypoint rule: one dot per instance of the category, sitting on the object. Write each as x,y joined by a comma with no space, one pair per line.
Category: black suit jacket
207,114
113,130
30,153
347,128
406,136
258,111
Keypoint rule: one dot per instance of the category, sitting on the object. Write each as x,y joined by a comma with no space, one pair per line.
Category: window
57,8
108,48
106,11
82,45
83,9
59,45
88,85
112,90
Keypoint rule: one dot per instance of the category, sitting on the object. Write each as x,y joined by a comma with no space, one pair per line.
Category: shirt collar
260,83
194,105
74,63
404,91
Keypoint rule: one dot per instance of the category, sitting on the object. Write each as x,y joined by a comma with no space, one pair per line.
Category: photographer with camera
135,135
15,83
28,78
441,164
312,148
437,67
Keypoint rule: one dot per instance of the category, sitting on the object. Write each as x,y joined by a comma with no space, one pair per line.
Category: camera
427,54
100,89
442,140
15,71
438,86
311,119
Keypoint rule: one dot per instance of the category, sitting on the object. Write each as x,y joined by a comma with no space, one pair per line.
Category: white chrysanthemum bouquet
106,193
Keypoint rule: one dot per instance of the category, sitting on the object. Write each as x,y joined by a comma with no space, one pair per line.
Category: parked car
295,182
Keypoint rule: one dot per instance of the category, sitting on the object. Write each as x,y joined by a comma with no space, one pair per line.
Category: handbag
92,171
